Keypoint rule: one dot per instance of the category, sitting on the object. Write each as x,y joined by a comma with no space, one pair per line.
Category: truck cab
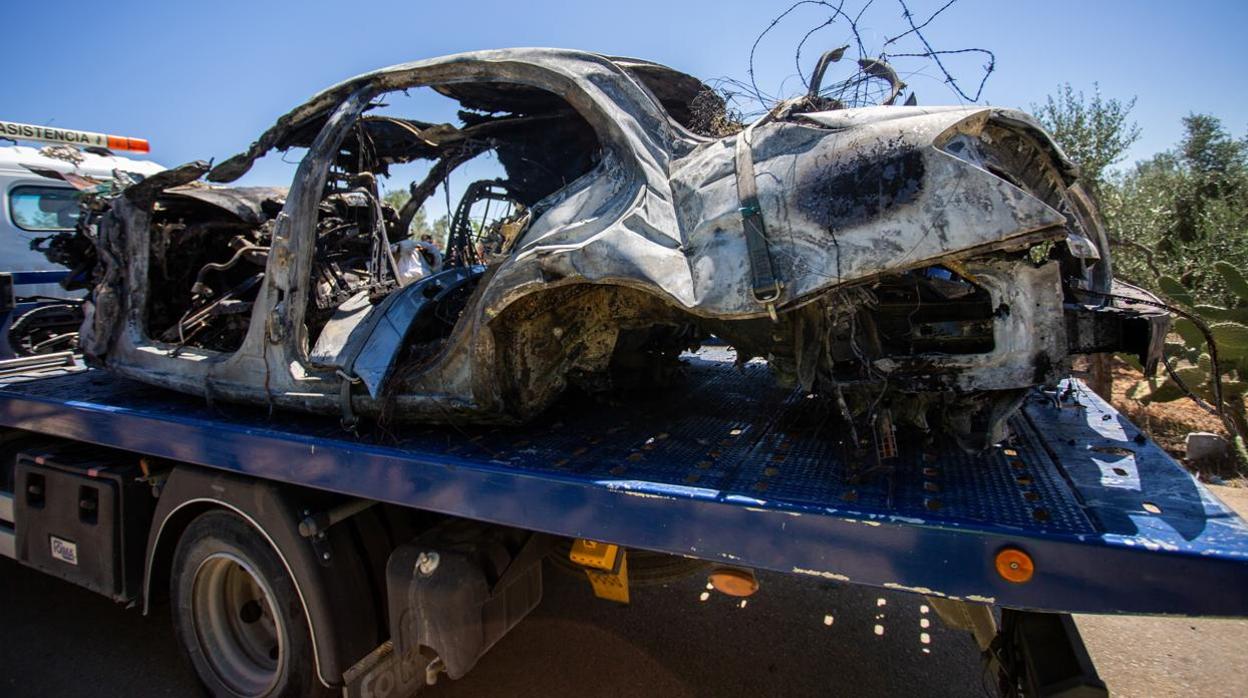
39,191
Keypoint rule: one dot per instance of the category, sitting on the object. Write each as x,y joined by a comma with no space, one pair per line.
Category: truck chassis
732,470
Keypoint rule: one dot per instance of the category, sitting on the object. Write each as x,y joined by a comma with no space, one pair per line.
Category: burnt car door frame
272,343
276,345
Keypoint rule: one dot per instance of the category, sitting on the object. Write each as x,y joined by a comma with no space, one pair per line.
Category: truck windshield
43,208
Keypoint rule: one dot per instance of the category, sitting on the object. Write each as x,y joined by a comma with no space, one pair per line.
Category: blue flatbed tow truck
408,551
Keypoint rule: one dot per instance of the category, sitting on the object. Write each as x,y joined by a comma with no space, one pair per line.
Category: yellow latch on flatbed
606,565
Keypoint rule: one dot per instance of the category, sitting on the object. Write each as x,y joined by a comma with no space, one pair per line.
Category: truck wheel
237,614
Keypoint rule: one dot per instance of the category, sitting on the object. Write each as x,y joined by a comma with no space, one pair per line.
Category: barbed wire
862,88
935,55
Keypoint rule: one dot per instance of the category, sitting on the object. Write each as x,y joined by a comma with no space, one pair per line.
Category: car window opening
209,245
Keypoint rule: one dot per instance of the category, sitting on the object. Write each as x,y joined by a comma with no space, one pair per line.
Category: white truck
39,190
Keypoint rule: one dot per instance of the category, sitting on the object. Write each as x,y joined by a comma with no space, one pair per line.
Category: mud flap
457,590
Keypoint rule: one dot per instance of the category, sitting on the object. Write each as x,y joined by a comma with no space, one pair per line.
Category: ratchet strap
349,420
767,289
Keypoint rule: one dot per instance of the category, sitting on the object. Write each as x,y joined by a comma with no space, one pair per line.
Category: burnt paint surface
866,187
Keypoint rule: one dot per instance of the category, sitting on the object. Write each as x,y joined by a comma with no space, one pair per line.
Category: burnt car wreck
914,266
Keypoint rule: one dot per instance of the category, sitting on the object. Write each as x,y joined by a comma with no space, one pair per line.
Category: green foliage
1231,337
1234,280
1216,314
1182,219
1175,290
1180,224
1174,215
395,198
1094,133
1193,361
420,222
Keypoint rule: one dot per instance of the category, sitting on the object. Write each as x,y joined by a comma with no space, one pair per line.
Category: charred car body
913,266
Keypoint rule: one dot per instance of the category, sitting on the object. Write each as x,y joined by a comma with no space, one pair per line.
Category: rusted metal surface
924,258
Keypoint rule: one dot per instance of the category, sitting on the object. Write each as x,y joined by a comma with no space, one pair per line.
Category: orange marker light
1015,565
134,145
733,581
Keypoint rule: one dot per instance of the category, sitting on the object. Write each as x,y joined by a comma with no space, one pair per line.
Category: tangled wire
869,84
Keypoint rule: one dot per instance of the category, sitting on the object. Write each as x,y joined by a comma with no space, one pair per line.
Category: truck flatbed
727,466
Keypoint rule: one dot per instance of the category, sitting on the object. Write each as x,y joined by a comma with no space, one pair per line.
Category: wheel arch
342,632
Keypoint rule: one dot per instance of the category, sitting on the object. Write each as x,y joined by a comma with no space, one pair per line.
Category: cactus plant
1191,358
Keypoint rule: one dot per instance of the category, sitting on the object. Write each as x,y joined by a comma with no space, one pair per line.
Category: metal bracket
349,419
316,524
319,542
1040,655
606,565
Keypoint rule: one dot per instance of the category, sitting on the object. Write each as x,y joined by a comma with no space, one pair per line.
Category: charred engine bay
933,268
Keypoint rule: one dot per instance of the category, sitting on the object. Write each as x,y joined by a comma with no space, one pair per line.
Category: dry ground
1168,423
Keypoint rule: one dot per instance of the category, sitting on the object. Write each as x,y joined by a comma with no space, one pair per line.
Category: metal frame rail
730,468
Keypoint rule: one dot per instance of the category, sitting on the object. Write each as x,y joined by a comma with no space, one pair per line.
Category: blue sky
201,80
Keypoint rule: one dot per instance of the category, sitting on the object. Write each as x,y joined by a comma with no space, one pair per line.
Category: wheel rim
238,631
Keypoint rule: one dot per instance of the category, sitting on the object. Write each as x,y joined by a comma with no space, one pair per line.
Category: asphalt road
794,638
1172,656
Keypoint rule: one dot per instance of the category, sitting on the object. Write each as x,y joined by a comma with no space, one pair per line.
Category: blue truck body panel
729,467
32,278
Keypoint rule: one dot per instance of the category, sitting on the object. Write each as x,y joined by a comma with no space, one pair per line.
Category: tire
237,614
45,329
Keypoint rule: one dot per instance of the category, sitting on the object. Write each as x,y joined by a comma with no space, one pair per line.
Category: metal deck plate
728,466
